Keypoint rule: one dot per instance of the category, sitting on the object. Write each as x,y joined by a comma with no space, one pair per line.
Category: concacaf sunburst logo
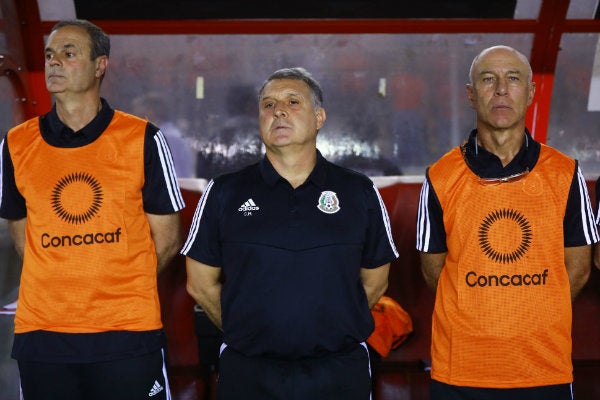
76,198
497,239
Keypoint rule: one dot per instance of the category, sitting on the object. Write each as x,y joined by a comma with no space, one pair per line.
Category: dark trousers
334,377
136,378
443,391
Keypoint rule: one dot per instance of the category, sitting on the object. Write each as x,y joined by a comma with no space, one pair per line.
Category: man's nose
280,111
501,87
52,60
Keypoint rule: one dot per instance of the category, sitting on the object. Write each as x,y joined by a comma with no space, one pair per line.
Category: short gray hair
99,41
301,74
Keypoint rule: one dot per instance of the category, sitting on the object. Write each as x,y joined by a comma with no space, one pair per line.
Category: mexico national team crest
328,202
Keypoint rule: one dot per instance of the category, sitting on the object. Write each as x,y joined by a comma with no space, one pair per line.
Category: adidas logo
249,205
156,389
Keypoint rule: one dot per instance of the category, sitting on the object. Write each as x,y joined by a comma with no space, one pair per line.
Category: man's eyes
68,54
491,79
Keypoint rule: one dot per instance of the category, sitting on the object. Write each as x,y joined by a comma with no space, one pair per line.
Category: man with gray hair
287,256
93,205
505,229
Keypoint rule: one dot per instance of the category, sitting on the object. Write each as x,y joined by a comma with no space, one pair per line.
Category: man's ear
321,117
471,94
531,93
101,64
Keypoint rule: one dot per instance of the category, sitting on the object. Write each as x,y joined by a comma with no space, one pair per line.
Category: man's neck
293,166
76,113
505,144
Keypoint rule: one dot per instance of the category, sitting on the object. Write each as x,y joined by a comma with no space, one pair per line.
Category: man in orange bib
93,207
505,229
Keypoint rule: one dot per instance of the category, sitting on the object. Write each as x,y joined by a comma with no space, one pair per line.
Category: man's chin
54,89
503,123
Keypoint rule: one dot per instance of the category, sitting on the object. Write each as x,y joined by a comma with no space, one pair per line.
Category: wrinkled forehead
501,60
68,36
285,87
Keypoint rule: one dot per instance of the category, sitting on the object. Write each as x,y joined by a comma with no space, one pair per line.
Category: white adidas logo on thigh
156,389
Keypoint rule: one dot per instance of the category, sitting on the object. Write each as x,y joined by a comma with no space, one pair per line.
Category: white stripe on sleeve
386,221
166,161
196,219
423,222
590,230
